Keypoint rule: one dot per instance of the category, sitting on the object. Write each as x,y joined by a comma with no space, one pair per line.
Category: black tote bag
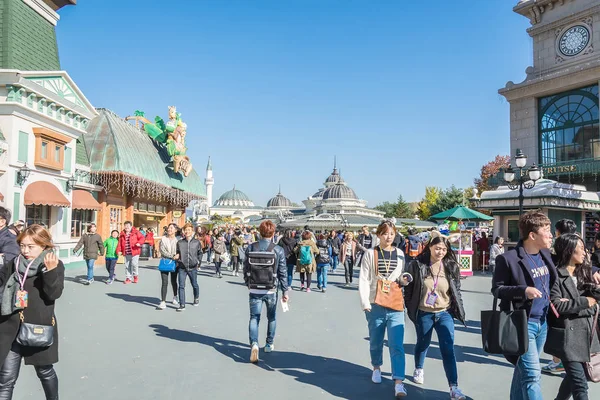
504,332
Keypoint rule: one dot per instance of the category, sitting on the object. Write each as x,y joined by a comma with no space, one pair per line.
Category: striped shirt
387,261
127,244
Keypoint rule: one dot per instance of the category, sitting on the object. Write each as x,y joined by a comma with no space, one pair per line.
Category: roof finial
334,162
234,186
280,188
209,165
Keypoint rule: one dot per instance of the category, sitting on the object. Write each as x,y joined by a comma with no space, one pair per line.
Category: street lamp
525,180
23,174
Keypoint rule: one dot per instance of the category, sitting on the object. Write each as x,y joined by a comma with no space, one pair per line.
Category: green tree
399,209
403,209
388,208
429,201
449,198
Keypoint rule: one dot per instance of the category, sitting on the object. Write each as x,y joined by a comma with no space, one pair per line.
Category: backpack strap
271,246
376,262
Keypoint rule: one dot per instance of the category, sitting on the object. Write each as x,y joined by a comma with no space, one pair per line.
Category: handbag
166,265
504,332
34,335
389,293
592,368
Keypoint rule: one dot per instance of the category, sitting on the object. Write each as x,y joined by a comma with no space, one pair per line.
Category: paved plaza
115,345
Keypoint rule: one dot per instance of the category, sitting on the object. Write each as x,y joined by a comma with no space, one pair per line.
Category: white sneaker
456,394
175,301
254,353
399,390
269,348
376,377
419,376
162,305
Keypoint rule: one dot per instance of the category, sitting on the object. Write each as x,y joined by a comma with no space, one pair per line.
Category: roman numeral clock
573,41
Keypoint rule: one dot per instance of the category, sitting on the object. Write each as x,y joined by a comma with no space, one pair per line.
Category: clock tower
554,116
28,36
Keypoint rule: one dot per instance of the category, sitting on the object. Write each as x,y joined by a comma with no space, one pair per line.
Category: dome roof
279,201
340,191
238,212
334,177
319,194
234,197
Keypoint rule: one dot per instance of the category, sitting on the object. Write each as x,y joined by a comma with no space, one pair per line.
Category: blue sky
404,94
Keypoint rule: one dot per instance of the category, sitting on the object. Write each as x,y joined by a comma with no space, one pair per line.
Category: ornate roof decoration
125,157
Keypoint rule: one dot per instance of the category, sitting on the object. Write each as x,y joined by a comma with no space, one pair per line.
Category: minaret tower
209,182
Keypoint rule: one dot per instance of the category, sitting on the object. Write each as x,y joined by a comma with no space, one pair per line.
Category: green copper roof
114,145
81,156
234,194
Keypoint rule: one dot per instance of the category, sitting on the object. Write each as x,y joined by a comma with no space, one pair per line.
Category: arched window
569,127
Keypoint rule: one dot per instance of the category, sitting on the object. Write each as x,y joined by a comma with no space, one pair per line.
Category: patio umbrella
459,213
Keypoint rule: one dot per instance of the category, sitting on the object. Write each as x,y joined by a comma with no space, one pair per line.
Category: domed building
236,204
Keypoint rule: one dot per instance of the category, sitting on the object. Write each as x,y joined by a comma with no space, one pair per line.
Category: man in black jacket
523,278
366,240
9,248
189,254
336,245
264,292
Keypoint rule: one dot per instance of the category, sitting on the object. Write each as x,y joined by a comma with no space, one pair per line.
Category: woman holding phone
32,282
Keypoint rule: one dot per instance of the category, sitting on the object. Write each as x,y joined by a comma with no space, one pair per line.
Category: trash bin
145,252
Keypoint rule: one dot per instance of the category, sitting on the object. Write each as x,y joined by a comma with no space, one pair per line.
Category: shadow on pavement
80,279
343,286
337,377
472,327
145,300
236,283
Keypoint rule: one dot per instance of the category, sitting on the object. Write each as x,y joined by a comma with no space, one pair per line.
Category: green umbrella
461,213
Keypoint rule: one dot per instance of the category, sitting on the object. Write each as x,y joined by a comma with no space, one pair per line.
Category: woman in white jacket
390,265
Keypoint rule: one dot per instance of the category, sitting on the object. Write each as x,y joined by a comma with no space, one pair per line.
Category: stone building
554,111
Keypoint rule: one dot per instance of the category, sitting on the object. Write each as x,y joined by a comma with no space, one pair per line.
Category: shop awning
83,200
45,194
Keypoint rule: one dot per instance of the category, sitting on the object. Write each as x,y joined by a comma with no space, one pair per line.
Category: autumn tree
488,170
429,201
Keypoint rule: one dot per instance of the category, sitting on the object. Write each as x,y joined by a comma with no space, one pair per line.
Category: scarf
7,306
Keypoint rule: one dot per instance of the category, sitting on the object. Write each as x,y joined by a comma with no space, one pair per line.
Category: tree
429,201
399,209
488,170
448,199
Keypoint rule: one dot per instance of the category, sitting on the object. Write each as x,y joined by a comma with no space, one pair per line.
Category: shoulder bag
166,265
389,293
34,335
504,332
592,368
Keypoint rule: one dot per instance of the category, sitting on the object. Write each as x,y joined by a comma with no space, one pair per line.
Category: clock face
574,40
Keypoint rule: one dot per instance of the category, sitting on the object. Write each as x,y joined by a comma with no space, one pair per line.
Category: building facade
554,111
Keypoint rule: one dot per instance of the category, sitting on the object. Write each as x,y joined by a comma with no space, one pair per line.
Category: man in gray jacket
92,247
189,254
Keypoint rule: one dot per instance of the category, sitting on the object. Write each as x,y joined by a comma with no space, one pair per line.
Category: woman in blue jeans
389,265
433,301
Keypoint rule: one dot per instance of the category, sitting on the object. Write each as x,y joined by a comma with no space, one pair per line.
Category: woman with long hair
168,250
348,256
387,262
306,251
496,249
433,300
31,283
574,297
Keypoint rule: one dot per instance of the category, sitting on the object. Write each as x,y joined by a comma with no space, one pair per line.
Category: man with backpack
323,262
264,273
414,245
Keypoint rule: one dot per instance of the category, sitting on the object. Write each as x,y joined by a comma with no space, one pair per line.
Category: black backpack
323,256
263,266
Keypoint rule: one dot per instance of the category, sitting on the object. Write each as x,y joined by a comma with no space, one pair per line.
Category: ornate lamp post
522,179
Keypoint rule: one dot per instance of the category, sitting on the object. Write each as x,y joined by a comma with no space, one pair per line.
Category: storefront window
116,218
80,221
37,215
569,126
513,230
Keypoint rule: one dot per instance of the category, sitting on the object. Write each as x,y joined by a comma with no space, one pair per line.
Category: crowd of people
556,281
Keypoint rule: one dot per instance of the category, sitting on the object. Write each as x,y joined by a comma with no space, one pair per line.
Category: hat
20,223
